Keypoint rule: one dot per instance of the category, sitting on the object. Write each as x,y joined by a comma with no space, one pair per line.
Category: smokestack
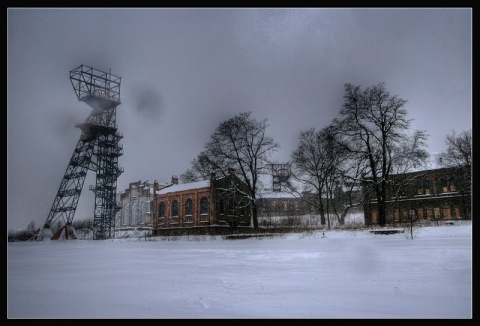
174,180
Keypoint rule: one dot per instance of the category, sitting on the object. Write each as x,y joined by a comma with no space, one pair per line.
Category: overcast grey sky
186,70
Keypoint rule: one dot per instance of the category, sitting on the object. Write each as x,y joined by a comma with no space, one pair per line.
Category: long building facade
428,195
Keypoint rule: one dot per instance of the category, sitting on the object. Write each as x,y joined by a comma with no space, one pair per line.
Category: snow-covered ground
319,274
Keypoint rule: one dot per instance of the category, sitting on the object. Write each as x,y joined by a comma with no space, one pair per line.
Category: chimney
230,171
174,180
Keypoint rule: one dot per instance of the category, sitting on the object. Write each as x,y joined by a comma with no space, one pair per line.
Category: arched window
161,209
189,207
175,208
204,205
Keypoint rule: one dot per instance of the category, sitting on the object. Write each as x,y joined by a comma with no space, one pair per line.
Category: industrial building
442,194
218,201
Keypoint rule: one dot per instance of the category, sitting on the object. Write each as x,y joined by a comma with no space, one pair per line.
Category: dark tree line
370,140
374,127
83,225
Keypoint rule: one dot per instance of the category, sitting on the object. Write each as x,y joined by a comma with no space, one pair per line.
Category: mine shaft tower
280,175
98,150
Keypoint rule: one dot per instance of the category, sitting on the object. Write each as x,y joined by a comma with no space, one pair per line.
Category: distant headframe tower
97,150
280,175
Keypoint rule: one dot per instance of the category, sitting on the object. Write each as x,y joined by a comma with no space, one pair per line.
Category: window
396,215
221,207
430,213
145,207
451,182
423,187
398,190
273,205
457,212
161,209
420,187
264,207
204,206
231,207
444,184
161,213
420,213
446,212
175,208
428,186
134,213
189,207
125,214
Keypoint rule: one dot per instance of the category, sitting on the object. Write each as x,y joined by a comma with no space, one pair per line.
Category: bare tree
200,170
407,156
310,163
458,156
328,173
239,143
345,187
372,123
459,150
410,153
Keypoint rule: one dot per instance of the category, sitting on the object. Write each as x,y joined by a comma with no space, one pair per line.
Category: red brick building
429,195
215,202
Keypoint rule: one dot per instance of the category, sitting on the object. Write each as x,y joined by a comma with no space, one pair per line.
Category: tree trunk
382,213
254,215
321,210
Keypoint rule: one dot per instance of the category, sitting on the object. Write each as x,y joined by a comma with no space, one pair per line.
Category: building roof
277,194
184,186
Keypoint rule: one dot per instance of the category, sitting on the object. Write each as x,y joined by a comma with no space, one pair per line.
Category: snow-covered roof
184,186
277,194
